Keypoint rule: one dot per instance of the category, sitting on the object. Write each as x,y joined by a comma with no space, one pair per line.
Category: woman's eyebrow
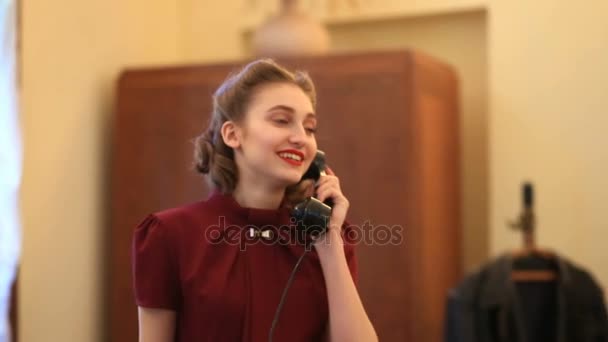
290,110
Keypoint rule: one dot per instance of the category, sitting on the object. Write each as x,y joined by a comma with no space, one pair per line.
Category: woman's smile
292,157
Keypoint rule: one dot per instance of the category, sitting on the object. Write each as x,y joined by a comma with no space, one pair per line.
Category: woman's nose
298,135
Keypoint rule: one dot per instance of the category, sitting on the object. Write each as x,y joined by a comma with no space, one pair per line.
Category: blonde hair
212,157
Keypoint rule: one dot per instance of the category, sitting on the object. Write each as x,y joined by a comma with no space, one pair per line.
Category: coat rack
531,263
526,222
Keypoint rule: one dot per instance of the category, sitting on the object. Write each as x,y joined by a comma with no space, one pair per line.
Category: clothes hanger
531,264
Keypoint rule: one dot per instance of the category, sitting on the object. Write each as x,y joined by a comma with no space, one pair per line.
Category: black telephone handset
311,214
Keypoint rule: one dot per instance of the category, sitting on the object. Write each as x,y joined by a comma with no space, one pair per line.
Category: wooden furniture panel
389,126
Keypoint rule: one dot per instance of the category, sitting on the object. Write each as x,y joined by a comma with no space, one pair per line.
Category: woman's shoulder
194,215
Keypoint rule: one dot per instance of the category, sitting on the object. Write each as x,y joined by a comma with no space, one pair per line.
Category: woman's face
278,140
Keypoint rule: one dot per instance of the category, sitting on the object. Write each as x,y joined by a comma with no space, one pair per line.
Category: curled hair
215,159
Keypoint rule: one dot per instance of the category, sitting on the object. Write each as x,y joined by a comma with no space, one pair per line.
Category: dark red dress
200,261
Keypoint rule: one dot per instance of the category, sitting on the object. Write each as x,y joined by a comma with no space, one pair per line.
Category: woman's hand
329,187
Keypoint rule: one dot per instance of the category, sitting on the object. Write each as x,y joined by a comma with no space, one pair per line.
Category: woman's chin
292,182
288,180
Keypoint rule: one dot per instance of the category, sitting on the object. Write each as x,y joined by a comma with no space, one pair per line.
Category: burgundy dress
200,261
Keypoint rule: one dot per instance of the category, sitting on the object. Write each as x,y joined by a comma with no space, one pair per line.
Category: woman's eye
311,130
281,121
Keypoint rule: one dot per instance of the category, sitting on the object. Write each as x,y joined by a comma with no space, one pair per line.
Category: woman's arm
156,325
347,318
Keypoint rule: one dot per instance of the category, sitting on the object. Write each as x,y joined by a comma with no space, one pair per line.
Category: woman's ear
231,134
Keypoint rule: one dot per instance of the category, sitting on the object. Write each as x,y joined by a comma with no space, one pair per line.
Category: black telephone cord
284,295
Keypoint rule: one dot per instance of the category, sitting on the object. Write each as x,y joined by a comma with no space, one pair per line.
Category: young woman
203,272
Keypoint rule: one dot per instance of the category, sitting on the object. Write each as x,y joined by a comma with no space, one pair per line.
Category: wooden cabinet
389,126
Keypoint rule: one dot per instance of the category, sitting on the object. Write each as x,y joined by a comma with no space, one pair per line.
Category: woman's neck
258,196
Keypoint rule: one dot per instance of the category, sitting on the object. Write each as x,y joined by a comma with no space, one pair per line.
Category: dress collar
246,215
278,220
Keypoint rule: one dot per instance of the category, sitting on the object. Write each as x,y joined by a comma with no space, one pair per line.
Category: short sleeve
155,275
350,235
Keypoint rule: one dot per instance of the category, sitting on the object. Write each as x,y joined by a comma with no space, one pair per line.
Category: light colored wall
211,32
549,118
72,54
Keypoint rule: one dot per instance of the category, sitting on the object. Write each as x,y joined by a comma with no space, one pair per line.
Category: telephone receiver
311,214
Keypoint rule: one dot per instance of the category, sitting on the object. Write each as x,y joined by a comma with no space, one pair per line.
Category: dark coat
488,307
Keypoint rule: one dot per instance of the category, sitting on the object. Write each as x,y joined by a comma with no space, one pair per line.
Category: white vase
291,33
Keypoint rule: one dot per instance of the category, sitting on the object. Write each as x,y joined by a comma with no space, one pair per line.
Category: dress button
267,234
254,233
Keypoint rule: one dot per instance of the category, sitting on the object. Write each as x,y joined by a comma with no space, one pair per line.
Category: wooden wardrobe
389,126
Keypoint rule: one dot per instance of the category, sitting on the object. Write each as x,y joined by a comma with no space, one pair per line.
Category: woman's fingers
327,192
327,179
332,191
328,186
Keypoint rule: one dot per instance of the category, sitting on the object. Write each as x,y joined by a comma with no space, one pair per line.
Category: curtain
10,160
